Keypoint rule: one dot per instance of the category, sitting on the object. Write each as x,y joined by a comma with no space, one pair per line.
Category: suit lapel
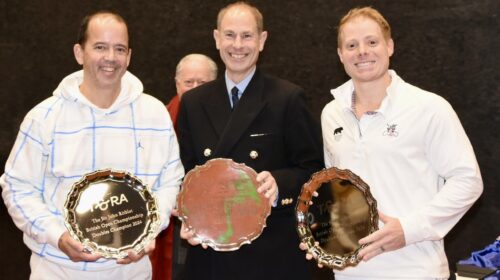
217,107
250,105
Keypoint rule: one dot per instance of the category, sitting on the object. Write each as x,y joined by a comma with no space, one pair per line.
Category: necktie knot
234,96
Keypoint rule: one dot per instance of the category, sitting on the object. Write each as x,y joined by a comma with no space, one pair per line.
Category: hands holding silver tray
224,204
109,214
77,252
334,211
340,228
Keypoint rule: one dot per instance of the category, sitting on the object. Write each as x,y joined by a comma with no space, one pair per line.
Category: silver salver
219,202
331,224
111,212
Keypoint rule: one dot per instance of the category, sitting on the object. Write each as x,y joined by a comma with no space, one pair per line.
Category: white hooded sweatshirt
65,137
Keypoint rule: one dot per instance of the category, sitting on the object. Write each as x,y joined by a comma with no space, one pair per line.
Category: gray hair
196,56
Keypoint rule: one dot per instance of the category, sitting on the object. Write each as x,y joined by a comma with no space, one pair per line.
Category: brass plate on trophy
220,203
344,212
111,212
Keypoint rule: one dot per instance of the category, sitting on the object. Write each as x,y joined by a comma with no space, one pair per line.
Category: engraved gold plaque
111,212
344,212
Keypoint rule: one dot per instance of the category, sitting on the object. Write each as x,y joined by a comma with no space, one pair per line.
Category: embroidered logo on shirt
139,145
391,130
337,133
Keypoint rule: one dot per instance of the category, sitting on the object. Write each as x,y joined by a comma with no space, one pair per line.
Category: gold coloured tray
220,203
344,212
111,212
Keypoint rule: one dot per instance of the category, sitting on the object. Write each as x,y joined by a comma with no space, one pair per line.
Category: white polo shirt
420,166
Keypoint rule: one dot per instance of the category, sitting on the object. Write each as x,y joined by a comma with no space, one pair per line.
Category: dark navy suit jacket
272,121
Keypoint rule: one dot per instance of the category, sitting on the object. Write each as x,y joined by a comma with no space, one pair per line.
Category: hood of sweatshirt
68,89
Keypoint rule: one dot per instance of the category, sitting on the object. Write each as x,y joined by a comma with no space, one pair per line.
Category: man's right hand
190,237
175,212
75,250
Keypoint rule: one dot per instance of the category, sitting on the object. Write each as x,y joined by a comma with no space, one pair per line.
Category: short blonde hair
367,12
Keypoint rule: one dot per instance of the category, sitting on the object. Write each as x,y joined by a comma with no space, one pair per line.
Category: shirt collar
391,96
241,85
386,102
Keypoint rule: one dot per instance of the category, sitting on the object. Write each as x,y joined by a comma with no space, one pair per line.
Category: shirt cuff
53,234
277,197
415,229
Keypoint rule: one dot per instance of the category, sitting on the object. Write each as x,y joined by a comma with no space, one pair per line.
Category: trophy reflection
341,217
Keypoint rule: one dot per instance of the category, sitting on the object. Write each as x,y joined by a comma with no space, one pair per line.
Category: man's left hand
134,256
389,238
267,186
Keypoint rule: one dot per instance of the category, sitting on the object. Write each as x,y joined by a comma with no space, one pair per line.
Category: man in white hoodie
97,118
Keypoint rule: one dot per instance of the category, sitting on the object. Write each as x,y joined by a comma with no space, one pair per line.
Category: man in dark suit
263,122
